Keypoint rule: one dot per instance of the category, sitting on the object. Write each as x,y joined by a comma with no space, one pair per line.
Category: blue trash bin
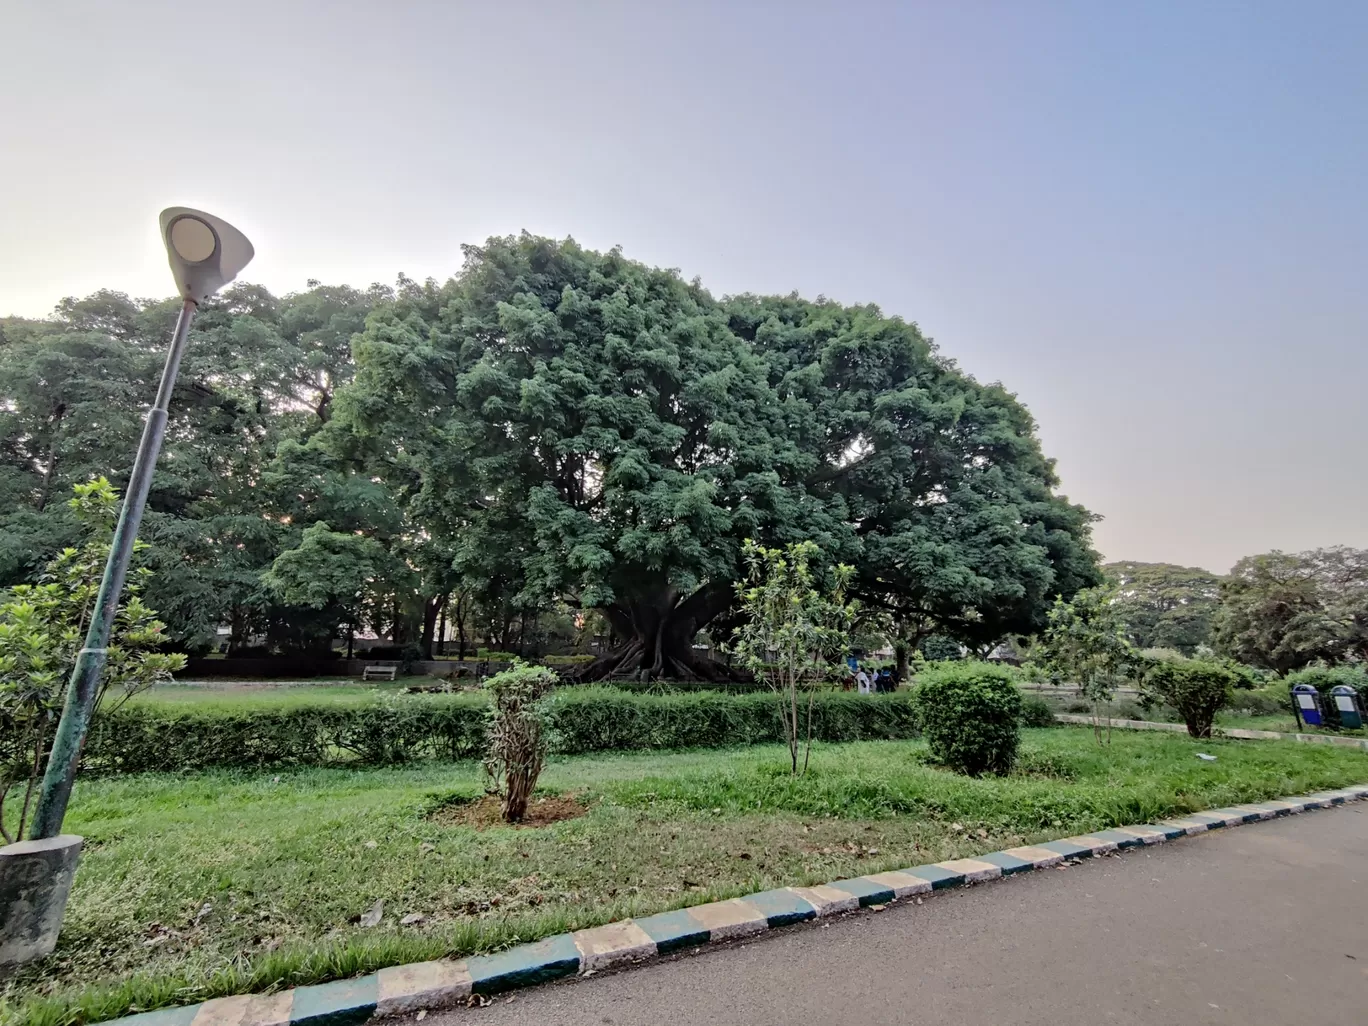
1306,702
1347,703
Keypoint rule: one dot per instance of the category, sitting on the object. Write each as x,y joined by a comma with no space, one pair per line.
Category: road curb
442,984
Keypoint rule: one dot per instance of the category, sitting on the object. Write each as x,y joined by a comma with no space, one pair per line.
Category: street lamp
205,253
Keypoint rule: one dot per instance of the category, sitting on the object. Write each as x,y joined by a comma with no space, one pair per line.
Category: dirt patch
542,810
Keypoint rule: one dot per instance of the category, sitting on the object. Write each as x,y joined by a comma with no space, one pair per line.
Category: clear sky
1150,220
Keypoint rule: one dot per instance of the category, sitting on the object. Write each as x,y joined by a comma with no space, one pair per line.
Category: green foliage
587,427
1085,643
259,370
1270,701
330,569
519,734
566,660
970,713
552,430
1197,689
1036,712
1165,606
939,648
143,738
42,628
395,730
792,634
1283,611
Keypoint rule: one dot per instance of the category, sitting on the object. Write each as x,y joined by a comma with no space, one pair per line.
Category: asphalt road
1263,924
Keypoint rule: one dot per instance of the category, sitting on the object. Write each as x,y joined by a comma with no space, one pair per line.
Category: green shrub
1269,701
1323,679
403,728
1036,712
1247,678
1196,689
970,713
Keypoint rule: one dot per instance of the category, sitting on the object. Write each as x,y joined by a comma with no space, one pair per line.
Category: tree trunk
656,634
50,465
431,607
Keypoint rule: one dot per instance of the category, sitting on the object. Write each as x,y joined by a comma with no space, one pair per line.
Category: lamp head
205,252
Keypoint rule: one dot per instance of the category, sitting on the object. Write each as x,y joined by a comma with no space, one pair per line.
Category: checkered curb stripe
432,985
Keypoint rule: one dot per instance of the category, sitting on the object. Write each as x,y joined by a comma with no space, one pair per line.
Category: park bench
380,671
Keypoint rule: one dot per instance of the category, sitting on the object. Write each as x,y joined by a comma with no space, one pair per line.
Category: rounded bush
970,714
1198,690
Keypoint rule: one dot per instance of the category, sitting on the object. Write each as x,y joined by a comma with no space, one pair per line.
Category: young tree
42,627
1086,642
795,631
518,734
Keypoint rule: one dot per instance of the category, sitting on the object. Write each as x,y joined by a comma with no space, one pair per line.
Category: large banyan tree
607,434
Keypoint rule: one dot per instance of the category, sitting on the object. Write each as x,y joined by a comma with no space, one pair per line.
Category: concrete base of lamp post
35,882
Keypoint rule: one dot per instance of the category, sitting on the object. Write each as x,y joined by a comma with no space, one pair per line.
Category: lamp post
205,253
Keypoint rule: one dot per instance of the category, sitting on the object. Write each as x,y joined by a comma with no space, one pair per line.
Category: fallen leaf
372,844
422,1014
412,919
376,913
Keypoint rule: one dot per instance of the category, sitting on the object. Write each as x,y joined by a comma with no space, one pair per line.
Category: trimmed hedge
142,739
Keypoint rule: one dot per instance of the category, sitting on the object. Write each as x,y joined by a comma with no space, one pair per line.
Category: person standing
862,679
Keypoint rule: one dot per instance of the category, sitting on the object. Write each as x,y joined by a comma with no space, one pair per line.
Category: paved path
1264,924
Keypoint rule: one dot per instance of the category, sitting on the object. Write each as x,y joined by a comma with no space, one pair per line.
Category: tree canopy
1284,611
1165,606
552,433
614,435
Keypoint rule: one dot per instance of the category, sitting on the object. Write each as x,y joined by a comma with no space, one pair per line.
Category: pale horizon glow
1151,224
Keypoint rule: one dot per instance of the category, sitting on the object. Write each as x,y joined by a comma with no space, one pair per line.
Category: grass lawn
201,885
238,696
